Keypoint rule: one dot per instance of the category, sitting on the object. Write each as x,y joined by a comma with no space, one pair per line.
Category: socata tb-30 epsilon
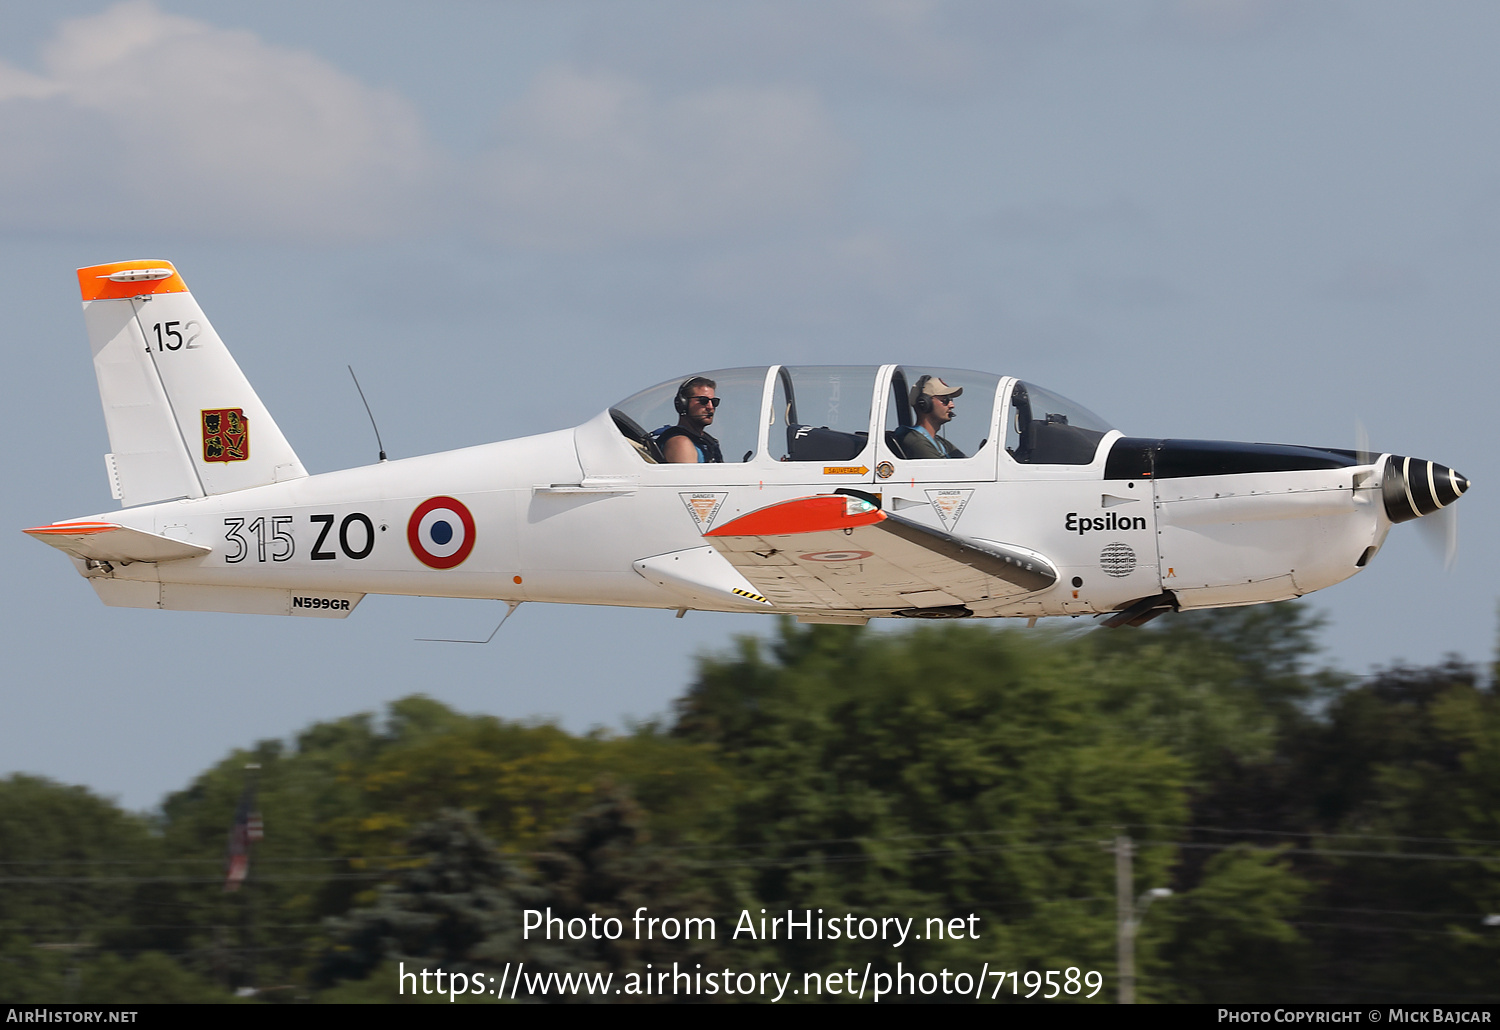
830,503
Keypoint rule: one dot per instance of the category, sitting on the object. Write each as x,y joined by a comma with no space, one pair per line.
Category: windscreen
1044,428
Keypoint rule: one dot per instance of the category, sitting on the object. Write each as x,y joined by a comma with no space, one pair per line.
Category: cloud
141,121
145,120
594,158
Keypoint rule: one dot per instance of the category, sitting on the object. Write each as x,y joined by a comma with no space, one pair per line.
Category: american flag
246,830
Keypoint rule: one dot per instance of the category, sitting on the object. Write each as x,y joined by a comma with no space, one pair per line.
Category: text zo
270,537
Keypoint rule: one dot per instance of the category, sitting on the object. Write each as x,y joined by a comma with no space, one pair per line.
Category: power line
816,841
185,879
1290,833
1331,852
812,859
1383,929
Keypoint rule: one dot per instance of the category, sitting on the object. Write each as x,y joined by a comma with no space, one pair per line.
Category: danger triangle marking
703,507
949,504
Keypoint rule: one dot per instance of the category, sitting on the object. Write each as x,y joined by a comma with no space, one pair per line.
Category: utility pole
1125,918
247,829
1129,911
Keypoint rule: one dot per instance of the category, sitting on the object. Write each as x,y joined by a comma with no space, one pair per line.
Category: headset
680,402
920,401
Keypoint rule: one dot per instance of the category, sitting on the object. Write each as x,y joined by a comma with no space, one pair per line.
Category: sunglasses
943,400
712,402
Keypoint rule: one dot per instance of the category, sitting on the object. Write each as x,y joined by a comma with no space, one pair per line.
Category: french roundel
837,556
441,532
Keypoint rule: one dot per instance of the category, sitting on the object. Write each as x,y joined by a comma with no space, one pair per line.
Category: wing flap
106,541
836,552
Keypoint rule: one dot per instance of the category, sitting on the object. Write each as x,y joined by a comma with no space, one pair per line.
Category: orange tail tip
72,528
124,279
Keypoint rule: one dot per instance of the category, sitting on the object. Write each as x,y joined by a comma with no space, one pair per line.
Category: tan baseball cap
934,387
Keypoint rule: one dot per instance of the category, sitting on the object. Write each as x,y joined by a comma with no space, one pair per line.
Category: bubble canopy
827,412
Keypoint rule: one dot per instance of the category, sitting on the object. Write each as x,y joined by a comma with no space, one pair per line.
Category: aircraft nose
1413,487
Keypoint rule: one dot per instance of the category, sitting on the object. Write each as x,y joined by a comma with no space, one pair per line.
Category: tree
341,804
1234,933
942,772
463,908
602,867
66,858
454,908
76,886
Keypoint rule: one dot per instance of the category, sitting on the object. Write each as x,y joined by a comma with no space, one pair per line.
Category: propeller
1414,488
1440,530
1421,490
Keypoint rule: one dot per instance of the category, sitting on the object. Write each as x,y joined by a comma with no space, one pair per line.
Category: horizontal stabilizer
841,552
105,541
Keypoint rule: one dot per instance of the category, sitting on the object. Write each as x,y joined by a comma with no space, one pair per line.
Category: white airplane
831,502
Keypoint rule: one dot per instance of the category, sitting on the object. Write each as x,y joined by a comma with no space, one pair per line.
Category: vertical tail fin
183,420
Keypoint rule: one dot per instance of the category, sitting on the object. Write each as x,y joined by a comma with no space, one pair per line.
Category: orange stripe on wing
803,515
73,529
95,283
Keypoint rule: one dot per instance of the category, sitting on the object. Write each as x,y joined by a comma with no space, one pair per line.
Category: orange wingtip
72,529
803,515
129,279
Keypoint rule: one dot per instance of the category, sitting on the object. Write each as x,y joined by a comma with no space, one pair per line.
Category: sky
1270,220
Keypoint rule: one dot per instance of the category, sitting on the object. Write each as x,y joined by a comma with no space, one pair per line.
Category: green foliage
30,975
454,909
149,978
1406,765
341,803
385,986
1225,688
464,909
602,865
942,772
1233,934
522,782
1325,840
62,850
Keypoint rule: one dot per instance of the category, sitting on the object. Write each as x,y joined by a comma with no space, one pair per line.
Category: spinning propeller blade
1440,530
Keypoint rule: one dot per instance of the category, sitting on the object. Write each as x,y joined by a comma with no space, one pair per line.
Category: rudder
183,420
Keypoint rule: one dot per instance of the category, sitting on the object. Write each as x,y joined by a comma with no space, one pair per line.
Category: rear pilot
932,402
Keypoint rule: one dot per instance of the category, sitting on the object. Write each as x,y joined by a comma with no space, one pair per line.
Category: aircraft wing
835,551
106,541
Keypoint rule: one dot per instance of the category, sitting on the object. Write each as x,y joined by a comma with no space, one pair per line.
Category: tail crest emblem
226,434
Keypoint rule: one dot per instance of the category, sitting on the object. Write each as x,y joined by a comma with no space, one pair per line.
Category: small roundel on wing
441,532
836,556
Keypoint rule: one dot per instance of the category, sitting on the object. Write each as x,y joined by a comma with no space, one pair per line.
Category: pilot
688,441
932,401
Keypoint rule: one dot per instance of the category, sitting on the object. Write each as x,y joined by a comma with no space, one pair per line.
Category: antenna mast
373,426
